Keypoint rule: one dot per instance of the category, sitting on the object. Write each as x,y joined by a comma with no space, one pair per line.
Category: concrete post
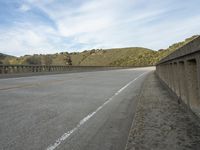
37,68
2,69
48,69
176,77
17,69
33,69
192,83
198,74
168,75
172,76
26,69
14,69
22,69
8,69
183,83
30,69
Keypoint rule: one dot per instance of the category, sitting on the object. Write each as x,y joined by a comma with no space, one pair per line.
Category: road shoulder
160,122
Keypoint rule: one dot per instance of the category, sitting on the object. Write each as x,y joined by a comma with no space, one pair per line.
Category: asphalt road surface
78,111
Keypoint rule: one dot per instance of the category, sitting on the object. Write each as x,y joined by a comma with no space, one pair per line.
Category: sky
53,26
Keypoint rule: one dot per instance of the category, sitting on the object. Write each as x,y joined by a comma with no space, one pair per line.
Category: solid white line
84,120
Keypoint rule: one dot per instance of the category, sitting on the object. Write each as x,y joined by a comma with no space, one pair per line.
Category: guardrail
181,73
17,69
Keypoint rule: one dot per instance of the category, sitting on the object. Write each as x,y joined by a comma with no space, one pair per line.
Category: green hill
132,56
4,59
173,47
52,59
114,57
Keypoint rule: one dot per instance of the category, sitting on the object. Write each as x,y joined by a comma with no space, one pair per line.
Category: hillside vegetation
114,57
132,56
5,59
173,47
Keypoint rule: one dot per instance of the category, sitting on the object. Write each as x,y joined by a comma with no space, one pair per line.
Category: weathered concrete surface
37,111
181,72
9,71
161,123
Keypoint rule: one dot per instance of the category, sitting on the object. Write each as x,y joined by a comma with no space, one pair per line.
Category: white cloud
28,40
101,24
24,8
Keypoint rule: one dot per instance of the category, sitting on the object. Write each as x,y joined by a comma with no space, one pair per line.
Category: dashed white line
84,120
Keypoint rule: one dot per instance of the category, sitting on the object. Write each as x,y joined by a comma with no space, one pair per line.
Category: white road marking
84,120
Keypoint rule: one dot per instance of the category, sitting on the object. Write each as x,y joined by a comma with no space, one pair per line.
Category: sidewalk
161,123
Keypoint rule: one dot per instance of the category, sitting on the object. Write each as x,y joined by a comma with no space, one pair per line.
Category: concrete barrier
22,69
180,71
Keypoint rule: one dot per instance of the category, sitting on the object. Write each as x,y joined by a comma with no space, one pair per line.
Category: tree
34,60
92,51
6,61
68,60
47,60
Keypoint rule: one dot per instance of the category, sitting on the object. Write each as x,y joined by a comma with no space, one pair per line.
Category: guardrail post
168,74
34,68
31,69
176,75
183,82
49,69
198,74
172,75
21,69
26,69
9,69
6,69
40,68
192,84
14,69
2,69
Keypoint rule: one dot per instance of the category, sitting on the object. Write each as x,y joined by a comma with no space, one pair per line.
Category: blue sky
50,26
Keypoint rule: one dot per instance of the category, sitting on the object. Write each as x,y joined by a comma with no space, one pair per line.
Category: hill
132,56
52,59
173,47
4,59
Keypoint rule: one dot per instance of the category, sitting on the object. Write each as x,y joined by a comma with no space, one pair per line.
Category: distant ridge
4,58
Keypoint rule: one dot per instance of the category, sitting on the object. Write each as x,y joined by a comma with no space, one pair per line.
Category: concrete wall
181,72
22,69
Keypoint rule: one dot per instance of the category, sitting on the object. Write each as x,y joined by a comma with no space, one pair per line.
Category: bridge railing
181,73
17,69
9,69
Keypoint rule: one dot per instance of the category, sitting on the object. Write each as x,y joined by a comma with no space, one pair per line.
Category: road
78,111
